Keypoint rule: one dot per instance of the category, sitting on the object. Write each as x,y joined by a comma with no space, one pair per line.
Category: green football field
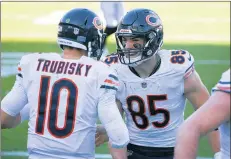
201,28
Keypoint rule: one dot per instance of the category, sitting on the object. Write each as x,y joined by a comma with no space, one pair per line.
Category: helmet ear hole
149,52
151,35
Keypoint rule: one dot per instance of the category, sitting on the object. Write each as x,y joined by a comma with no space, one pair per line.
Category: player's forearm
187,142
214,140
112,121
12,122
8,122
117,133
118,153
12,104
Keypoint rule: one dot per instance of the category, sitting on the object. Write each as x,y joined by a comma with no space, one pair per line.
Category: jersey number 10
52,112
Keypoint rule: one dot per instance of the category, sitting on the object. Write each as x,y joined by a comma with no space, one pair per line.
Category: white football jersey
154,106
62,96
224,85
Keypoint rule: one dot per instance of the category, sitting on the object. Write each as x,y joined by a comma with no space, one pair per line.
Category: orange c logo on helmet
153,23
97,23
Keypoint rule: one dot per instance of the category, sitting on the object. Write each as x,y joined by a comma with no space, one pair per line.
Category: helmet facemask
95,45
140,52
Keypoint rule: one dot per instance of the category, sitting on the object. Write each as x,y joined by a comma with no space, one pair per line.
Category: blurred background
202,28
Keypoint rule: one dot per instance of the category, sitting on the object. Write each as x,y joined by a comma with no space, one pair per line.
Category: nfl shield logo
76,31
144,85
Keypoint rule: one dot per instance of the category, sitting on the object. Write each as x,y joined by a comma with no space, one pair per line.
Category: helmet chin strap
138,62
142,61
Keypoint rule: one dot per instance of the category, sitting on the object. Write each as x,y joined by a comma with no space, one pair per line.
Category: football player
154,86
65,95
215,112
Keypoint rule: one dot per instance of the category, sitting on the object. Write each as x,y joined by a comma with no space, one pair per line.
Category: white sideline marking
101,156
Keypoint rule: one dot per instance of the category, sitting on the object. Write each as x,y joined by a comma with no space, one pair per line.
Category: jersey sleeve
224,83
112,120
120,94
111,59
183,62
16,99
108,81
25,113
113,62
189,68
24,67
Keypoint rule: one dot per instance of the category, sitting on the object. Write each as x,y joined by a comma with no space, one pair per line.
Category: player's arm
18,119
8,121
109,114
16,99
214,112
196,92
114,125
11,105
117,153
101,135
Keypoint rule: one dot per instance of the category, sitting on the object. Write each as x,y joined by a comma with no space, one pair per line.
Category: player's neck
73,54
146,68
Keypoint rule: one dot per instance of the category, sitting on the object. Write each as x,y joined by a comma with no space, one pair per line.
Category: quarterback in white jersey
154,86
215,112
66,95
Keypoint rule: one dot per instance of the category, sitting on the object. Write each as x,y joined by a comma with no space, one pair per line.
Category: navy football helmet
139,23
81,28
